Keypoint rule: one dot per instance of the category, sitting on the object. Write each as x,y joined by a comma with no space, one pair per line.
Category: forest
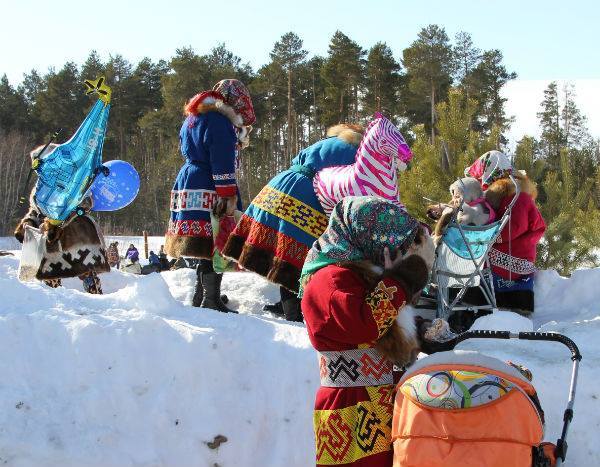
444,93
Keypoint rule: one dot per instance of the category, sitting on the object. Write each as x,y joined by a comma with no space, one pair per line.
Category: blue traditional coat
208,142
282,222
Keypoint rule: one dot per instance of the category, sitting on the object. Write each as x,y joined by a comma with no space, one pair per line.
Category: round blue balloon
116,190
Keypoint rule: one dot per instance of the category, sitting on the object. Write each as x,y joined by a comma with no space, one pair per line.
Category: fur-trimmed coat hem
263,262
192,247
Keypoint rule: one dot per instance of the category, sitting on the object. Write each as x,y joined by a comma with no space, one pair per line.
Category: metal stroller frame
461,260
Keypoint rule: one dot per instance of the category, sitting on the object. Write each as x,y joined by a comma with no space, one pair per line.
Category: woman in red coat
513,255
352,295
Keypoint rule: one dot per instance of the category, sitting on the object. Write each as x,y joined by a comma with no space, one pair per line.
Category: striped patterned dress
382,152
278,228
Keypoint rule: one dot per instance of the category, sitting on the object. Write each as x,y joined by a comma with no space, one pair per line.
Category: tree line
445,94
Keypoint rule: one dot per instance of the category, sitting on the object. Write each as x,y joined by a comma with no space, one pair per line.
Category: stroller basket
476,237
460,408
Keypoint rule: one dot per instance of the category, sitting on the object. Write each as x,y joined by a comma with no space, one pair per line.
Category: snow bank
137,377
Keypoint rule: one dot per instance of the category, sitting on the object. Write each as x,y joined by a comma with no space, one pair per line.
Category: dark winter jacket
154,259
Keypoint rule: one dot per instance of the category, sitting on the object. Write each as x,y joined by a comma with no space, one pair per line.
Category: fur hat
468,188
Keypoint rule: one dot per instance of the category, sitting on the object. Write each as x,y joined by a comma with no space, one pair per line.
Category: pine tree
573,222
223,64
382,81
437,165
429,64
62,103
289,54
528,158
486,82
316,84
93,67
190,75
552,135
574,131
32,85
343,73
13,107
124,108
467,57
455,134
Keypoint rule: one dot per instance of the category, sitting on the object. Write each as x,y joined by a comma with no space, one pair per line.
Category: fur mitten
225,206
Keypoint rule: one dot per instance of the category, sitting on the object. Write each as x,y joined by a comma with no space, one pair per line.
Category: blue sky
539,39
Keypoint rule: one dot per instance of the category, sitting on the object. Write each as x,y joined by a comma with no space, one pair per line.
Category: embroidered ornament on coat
381,154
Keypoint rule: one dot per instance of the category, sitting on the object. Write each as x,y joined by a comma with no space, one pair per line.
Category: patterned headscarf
236,95
360,227
491,166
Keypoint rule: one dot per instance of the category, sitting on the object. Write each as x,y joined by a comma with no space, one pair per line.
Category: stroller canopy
462,408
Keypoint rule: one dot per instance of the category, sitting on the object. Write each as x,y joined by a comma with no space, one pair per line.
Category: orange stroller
465,409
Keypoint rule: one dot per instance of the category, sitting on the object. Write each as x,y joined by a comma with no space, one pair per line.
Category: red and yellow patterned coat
353,407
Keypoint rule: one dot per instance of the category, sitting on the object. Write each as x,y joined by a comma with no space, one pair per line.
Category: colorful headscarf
233,93
237,96
360,227
491,166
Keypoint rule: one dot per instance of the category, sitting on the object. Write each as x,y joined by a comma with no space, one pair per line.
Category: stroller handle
561,444
531,336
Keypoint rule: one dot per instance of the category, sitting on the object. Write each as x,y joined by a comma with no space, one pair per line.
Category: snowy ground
137,377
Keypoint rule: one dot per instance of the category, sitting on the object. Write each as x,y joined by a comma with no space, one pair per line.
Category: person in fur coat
513,255
73,249
353,300
275,233
113,255
216,126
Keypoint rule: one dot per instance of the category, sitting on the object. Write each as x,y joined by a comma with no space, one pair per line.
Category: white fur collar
211,103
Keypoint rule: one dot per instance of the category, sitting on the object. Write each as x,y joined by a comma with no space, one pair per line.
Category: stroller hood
462,408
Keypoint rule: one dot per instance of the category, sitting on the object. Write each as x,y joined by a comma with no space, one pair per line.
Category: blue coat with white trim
208,141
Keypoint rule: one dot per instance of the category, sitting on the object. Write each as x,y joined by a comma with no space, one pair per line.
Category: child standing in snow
352,296
113,255
73,249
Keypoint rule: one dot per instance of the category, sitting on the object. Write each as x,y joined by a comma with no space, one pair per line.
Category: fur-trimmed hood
503,187
211,104
347,132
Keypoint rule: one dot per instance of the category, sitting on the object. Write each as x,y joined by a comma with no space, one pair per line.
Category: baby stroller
461,261
462,408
